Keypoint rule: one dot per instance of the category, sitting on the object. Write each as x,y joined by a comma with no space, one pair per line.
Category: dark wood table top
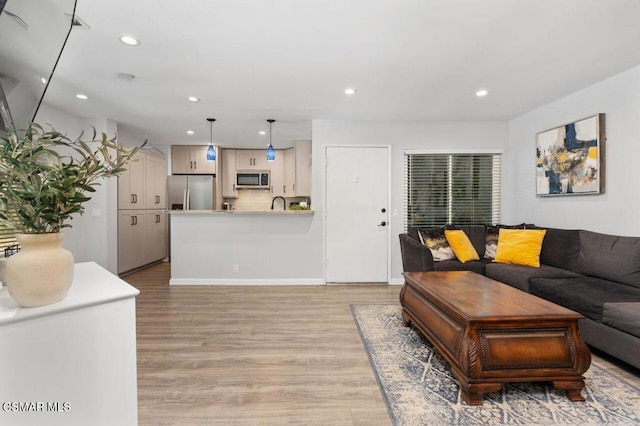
476,297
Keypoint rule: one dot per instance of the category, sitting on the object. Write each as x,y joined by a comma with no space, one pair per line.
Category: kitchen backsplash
255,199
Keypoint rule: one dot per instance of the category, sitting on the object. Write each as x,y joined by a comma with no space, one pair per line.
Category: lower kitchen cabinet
156,235
142,238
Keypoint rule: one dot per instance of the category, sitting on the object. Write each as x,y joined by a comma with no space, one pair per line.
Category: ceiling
290,60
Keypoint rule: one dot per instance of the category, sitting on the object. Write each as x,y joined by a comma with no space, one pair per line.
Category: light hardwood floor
253,355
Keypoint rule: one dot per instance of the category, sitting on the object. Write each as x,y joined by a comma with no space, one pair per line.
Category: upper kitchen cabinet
289,159
144,184
156,182
276,168
192,159
131,184
303,168
251,159
229,173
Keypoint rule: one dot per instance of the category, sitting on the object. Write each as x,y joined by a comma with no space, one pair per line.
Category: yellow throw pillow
461,245
520,246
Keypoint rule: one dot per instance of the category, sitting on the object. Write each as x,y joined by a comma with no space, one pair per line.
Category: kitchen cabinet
131,184
229,173
302,168
276,169
156,243
192,159
289,172
155,182
251,159
142,226
131,239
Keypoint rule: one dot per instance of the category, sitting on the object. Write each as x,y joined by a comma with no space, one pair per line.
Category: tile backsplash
254,199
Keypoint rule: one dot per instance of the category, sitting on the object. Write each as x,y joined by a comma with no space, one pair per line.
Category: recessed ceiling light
190,132
262,132
349,91
129,40
193,99
482,92
126,76
82,96
43,80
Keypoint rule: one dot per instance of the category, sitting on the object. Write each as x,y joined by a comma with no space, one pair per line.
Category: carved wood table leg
573,388
472,393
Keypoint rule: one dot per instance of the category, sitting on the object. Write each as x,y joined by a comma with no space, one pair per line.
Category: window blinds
7,237
461,189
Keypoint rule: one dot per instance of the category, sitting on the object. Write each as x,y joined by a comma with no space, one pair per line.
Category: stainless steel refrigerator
186,192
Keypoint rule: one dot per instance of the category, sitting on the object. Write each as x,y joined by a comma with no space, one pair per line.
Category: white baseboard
246,281
396,281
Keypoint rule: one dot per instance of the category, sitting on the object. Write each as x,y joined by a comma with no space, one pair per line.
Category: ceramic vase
41,272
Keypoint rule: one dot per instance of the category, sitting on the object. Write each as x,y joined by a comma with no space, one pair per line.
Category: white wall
615,211
401,136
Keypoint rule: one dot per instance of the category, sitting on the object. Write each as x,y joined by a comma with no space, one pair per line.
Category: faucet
284,202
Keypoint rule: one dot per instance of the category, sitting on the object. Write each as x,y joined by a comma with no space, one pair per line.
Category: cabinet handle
157,218
284,189
195,164
136,221
157,199
132,221
132,199
294,187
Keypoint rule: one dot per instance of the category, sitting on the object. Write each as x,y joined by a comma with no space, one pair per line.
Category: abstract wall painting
570,158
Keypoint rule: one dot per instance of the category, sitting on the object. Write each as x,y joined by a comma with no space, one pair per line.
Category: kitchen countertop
242,212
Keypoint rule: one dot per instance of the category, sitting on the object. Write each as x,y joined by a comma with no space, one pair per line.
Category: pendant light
211,151
271,153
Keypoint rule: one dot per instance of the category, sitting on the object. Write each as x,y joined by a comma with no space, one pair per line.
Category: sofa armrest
415,256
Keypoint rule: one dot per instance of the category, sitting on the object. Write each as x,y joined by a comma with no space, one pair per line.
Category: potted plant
44,180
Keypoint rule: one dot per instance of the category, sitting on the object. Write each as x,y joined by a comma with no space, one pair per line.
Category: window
461,189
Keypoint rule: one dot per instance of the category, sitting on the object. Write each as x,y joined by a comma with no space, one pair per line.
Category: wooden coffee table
492,333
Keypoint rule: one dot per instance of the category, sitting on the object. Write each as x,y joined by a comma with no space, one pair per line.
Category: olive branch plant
45,176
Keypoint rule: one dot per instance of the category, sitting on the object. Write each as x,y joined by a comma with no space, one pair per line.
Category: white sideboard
72,362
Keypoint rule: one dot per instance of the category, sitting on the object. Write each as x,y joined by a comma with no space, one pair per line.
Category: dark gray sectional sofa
597,275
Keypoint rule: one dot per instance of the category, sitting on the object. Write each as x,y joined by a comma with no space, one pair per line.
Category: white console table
72,362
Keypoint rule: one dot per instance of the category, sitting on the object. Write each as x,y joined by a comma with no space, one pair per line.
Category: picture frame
570,158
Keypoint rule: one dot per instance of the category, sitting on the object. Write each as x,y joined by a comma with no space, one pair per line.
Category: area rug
418,388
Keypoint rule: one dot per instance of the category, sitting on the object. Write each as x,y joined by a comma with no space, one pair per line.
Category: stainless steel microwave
252,179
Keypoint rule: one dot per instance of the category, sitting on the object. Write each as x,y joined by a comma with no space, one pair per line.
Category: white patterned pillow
437,243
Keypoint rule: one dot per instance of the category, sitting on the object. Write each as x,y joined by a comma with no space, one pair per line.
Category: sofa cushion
518,275
461,245
491,242
436,241
623,316
520,246
477,266
560,248
477,236
586,295
491,237
610,256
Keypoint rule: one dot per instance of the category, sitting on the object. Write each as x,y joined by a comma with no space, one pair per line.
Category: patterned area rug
419,390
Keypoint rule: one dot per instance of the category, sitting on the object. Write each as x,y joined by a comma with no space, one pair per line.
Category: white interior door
357,237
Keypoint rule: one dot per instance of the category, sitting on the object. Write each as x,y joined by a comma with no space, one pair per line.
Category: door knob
383,224
384,210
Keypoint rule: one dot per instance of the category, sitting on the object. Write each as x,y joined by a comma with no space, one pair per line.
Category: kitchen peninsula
241,247
260,230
